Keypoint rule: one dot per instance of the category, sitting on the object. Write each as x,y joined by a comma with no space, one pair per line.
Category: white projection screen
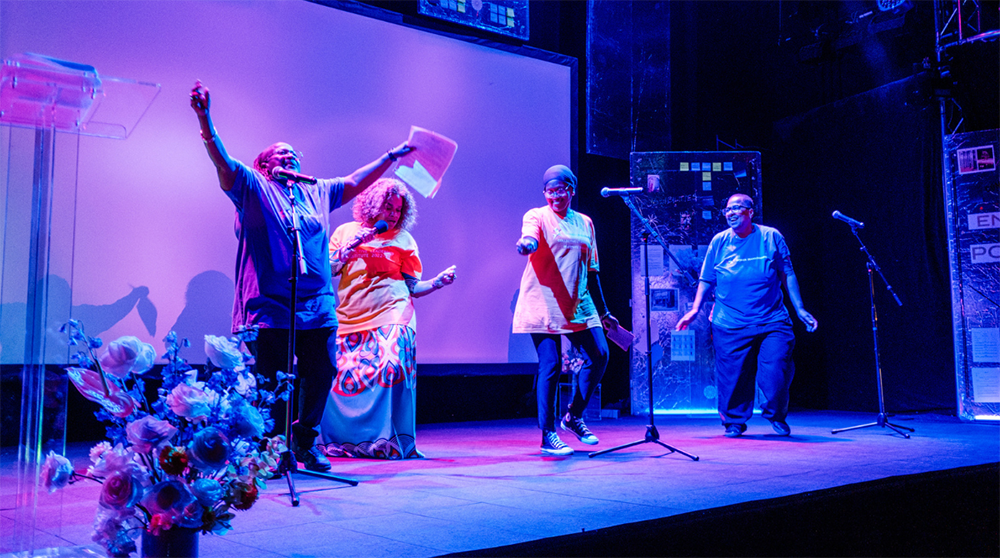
154,245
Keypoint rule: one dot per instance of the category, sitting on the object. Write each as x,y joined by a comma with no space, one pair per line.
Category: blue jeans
595,359
761,353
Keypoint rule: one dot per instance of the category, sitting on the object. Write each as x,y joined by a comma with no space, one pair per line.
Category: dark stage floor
485,485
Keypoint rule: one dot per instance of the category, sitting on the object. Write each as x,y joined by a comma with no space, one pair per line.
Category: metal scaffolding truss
957,21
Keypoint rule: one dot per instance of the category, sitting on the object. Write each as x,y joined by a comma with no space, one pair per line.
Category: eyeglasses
735,209
557,191
282,152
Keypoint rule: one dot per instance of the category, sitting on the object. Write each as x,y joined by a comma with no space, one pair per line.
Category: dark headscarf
561,173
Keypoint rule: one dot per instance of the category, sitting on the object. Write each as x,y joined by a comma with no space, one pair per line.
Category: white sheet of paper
424,166
682,346
985,384
655,260
985,344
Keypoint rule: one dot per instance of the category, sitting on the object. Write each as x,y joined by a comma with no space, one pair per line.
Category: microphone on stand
281,173
608,192
852,222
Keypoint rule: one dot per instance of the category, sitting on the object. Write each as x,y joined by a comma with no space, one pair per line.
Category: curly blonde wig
369,203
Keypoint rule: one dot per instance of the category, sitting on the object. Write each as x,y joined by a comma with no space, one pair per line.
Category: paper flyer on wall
424,166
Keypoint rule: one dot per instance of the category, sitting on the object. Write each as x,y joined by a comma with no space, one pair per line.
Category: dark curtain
875,157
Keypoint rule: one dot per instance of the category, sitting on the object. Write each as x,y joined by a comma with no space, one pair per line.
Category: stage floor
485,484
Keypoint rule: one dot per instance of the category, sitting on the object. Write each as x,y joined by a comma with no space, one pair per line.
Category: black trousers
754,354
315,372
595,359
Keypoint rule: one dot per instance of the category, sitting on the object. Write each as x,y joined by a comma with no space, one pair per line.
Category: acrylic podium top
38,91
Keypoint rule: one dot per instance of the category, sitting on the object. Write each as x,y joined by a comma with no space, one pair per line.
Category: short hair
369,203
258,163
261,161
740,195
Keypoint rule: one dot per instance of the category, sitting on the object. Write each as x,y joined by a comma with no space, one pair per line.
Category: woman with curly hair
371,411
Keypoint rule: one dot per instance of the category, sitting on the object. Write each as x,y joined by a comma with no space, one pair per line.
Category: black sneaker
552,445
781,427
735,430
575,425
313,459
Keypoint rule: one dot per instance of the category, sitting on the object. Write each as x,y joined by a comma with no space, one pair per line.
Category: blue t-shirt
745,274
264,257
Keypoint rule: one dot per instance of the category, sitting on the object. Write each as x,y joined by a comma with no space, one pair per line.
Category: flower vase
176,542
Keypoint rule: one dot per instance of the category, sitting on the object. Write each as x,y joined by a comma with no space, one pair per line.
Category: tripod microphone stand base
288,465
881,421
652,436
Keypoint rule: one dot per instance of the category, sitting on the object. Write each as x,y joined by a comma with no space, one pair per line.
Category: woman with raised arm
269,198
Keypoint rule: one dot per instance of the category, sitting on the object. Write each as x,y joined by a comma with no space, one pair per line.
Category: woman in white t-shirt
371,411
560,295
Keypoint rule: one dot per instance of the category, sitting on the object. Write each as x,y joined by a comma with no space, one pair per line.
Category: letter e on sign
979,221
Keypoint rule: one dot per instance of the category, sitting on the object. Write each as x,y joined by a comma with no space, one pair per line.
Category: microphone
853,223
365,235
608,192
281,173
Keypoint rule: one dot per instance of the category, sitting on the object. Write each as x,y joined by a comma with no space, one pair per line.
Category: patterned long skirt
371,411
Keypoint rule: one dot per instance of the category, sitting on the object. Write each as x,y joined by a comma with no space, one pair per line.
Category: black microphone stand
652,435
288,465
882,420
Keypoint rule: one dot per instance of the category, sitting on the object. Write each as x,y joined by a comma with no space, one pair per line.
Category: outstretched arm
526,245
424,288
225,166
699,296
362,178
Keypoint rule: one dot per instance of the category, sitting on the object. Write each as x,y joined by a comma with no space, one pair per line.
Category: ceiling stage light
894,5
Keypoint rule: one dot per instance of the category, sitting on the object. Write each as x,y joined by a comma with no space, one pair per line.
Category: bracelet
437,284
392,156
211,136
605,315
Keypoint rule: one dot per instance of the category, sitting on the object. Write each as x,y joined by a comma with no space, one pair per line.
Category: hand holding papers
621,337
424,166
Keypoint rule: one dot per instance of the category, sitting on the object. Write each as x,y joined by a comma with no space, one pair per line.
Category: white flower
245,382
223,352
192,402
56,472
128,355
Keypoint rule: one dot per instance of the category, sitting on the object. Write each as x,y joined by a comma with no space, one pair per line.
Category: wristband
392,156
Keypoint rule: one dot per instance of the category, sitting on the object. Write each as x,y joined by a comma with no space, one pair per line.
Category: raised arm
362,178
225,166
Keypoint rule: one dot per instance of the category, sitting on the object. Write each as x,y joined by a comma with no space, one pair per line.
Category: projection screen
154,245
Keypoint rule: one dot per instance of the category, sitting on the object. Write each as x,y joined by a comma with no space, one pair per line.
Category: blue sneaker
781,427
552,445
575,425
735,430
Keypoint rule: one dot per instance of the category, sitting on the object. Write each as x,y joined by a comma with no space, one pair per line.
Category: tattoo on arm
411,282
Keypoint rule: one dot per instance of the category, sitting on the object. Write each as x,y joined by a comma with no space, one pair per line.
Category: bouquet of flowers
187,459
572,361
